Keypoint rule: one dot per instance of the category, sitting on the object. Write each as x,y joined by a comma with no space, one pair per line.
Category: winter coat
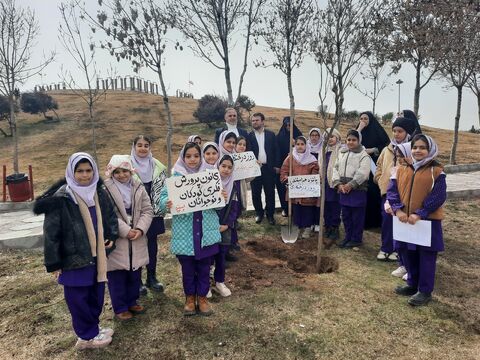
128,254
66,245
384,167
182,228
299,169
352,167
158,182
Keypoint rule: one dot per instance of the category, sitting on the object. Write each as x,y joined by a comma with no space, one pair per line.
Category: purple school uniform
387,230
156,228
219,258
331,214
124,286
353,214
420,261
303,216
84,295
196,269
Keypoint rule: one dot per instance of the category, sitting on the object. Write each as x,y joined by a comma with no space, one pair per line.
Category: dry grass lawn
123,115
278,310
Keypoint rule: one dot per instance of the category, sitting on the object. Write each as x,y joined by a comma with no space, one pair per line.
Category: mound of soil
266,260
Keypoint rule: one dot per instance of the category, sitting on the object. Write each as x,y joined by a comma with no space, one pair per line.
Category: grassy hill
123,115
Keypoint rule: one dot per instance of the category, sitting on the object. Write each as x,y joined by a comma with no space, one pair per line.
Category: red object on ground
18,187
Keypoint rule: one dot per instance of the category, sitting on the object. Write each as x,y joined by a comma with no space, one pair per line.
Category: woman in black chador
374,139
283,149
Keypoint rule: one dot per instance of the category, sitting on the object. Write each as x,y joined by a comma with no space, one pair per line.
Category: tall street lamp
399,82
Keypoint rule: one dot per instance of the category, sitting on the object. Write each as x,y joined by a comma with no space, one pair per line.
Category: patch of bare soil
267,259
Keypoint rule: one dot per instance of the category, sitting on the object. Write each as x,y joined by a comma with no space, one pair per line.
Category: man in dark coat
231,125
262,142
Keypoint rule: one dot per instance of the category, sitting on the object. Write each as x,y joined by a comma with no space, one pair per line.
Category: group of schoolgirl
412,185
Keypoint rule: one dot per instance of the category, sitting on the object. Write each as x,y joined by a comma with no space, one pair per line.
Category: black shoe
352,244
230,257
420,299
334,233
259,219
343,243
153,283
271,220
405,290
143,290
327,231
235,247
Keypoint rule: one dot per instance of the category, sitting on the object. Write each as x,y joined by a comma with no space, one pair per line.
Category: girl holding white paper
195,238
402,129
350,178
418,192
304,163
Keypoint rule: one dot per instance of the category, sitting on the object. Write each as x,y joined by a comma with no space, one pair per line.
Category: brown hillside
123,115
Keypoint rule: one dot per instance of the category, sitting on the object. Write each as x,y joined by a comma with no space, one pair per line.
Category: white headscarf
86,193
315,148
432,153
306,157
192,138
125,189
143,166
182,168
228,182
215,146
221,140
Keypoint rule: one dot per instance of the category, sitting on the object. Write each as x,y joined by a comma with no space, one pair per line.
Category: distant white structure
127,83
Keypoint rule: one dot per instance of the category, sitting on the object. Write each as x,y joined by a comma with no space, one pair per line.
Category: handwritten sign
245,166
418,234
303,186
195,192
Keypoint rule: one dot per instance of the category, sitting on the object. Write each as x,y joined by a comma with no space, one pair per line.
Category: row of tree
345,37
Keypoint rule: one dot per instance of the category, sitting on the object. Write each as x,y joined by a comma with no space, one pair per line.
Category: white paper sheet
246,166
303,186
418,234
200,191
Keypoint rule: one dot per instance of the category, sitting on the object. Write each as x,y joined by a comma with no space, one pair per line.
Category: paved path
22,229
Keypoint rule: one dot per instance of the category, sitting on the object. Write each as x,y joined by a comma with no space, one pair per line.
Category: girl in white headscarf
304,163
152,173
134,212
418,192
80,227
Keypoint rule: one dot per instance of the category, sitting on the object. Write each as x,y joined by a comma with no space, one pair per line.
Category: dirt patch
267,260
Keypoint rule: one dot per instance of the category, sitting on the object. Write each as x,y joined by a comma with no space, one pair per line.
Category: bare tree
136,31
412,35
323,91
474,85
18,32
459,24
373,72
82,50
211,24
344,38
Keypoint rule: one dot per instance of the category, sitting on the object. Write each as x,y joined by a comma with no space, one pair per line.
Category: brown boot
189,308
124,316
203,306
136,309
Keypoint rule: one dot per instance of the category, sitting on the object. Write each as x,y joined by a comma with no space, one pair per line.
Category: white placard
418,234
303,186
246,166
195,192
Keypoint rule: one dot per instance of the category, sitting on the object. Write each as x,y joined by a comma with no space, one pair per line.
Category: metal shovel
290,232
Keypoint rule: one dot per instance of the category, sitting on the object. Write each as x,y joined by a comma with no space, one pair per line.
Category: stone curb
15,206
453,169
463,194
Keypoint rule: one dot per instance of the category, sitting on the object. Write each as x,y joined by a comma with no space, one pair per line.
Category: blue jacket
182,228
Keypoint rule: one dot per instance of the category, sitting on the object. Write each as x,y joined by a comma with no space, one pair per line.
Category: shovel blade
289,234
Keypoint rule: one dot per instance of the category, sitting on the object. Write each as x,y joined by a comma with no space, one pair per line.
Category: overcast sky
266,86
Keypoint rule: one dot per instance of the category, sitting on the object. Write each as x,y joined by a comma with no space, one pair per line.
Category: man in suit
231,125
262,143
